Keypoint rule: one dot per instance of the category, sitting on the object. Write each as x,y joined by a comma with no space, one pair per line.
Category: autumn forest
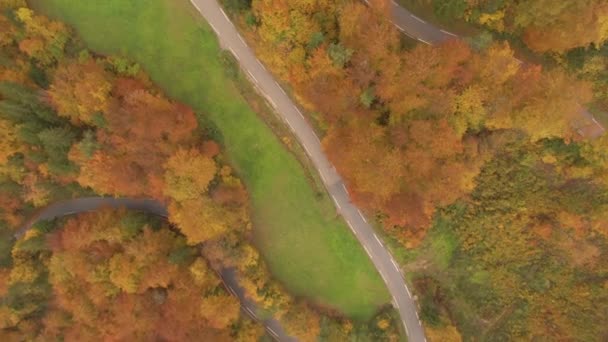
76,124
470,157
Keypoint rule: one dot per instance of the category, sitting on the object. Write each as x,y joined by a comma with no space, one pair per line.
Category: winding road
265,83
89,204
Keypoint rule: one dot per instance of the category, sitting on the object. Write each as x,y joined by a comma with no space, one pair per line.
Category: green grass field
306,246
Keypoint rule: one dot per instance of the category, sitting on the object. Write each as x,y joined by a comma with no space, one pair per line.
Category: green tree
56,143
339,54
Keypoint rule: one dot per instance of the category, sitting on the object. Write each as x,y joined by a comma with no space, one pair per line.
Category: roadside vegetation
473,162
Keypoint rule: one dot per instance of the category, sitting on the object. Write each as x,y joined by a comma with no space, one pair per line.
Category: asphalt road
417,28
89,204
287,110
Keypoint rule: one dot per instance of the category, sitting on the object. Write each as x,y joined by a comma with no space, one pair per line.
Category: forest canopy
79,124
115,275
468,157
82,124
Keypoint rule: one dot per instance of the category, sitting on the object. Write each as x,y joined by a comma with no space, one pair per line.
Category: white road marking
289,123
195,5
419,322
395,264
383,277
405,325
408,292
403,31
322,177
362,217
260,63
350,225
344,187
336,201
241,39
224,13
416,312
251,312
420,20
597,123
274,105
234,53
306,148
370,255
231,291
213,28
449,33
317,138
300,113
273,332
281,88
424,41
253,77
396,303
376,237
409,35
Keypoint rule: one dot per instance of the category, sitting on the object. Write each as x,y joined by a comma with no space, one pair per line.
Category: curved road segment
88,204
417,28
276,96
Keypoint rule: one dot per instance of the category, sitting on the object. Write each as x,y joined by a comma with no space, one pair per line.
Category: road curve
417,28
285,107
88,204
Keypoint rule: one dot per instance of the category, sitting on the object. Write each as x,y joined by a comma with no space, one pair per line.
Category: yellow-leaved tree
8,142
80,91
200,219
188,174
